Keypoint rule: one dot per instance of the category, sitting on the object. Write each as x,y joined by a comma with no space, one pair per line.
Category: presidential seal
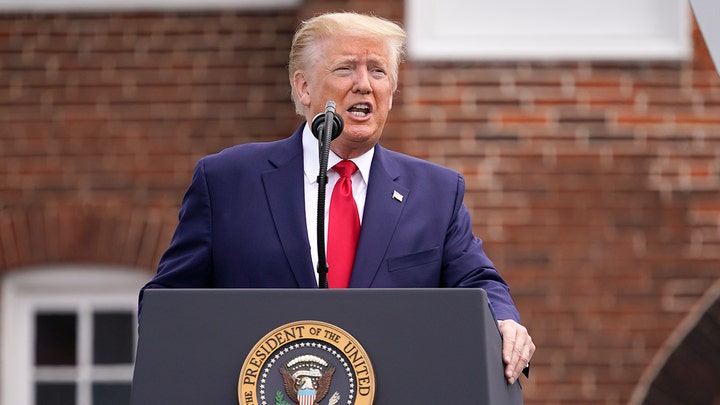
307,363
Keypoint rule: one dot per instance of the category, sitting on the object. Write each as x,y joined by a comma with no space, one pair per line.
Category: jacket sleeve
187,262
466,264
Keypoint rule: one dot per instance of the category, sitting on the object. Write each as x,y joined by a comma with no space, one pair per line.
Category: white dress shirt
311,165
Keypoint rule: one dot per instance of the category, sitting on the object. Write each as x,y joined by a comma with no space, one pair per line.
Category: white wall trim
13,6
548,30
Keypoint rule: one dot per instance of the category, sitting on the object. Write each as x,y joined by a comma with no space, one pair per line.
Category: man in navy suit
248,219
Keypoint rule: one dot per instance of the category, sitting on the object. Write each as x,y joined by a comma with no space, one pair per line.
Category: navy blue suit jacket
242,225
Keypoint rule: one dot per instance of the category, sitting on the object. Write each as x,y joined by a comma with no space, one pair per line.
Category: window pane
111,394
113,338
55,339
55,394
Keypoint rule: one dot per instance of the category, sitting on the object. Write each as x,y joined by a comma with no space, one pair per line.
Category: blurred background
588,135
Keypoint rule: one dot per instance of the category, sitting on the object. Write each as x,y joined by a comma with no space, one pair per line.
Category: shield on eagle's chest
306,397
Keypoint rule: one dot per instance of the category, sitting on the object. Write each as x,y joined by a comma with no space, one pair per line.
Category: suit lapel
383,206
284,188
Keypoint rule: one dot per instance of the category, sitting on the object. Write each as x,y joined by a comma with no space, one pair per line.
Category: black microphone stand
325,127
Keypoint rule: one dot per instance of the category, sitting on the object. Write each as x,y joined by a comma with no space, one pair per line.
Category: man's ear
302,88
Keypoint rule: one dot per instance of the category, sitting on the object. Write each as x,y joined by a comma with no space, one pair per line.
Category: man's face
354,73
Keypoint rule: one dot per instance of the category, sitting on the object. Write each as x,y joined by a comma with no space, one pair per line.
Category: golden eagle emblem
307,380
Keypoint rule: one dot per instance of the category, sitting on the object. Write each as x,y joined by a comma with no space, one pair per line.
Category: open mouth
360,110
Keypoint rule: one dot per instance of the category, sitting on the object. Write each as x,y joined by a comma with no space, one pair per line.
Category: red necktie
343,227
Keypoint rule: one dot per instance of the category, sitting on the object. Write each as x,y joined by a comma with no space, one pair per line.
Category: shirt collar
311,158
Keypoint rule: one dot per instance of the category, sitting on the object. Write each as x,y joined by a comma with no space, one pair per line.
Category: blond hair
310,32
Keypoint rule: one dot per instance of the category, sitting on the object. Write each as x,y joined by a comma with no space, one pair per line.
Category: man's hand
517,350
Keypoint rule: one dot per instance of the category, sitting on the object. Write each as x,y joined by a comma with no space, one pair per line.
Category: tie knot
345,168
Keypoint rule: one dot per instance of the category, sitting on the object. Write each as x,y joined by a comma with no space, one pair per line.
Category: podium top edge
443,291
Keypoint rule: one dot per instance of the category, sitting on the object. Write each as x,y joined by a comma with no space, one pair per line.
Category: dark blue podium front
426,346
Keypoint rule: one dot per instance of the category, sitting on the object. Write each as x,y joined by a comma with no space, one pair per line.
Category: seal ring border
244,388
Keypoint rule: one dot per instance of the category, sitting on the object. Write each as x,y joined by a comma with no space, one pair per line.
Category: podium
424,346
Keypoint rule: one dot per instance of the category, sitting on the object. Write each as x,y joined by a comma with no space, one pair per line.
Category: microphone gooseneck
326,127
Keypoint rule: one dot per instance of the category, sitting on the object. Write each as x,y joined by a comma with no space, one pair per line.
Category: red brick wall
593,185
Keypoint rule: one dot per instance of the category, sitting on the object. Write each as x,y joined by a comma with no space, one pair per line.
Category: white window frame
13,6
548,30
79,289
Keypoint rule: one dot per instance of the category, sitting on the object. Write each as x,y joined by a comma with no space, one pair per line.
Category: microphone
336,122
326,127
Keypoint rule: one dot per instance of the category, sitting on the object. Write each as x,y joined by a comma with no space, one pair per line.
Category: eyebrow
372,59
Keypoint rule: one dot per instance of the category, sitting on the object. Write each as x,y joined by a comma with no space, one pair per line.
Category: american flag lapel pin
397,196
